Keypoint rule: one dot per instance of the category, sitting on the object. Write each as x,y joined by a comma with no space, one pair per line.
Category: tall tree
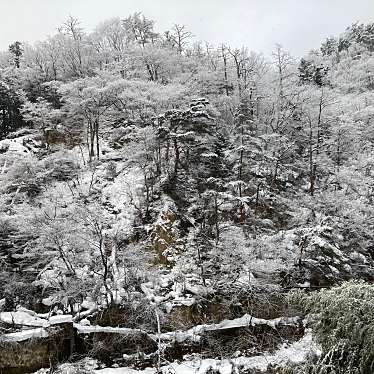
180,36
16,50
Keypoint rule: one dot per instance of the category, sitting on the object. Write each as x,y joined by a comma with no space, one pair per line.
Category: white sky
299,25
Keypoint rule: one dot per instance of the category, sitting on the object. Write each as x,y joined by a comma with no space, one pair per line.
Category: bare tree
282,62
224,53
180,36
72,47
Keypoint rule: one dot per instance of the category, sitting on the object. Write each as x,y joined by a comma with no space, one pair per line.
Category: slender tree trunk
225,70
97,139
256,209
177,156
92,141
311,160
240,175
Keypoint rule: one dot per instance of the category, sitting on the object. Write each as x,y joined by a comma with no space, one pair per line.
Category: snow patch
295,353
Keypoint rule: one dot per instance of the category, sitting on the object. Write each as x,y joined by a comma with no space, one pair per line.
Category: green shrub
345,328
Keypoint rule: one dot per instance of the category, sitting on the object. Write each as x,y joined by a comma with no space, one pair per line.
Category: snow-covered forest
172,206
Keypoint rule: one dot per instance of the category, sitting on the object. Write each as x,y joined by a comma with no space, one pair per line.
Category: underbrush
31,176
345,327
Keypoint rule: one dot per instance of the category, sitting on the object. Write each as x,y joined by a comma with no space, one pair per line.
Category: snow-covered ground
295,353
288,354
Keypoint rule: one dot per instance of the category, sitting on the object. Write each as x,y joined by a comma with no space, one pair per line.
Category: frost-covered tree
11,101
91,99
16,50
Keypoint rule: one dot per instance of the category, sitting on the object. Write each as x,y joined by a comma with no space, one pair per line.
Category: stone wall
32,354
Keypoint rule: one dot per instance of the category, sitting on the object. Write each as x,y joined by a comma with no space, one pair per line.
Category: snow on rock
32,313
248,320
122,194
87,329
25,335
2,303
28,318
63,318
126,371
198,289
22,318
172,293
195,333
14,146
88,304
48,301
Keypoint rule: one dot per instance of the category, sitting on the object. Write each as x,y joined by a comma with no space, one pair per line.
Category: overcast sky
298,25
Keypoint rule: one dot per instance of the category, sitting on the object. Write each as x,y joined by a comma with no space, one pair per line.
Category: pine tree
16,50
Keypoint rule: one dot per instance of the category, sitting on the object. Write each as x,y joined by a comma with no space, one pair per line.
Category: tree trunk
97,139
177,156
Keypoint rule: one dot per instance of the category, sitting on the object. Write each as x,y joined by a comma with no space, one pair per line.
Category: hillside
174,207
